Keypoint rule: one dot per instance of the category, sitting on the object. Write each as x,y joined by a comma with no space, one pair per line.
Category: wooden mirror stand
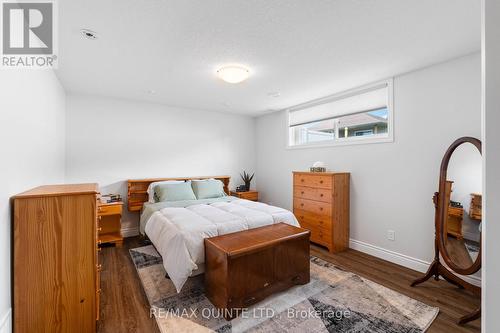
437,269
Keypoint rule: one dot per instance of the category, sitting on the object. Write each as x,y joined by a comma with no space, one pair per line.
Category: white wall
392,183
491,149
32,134
112,140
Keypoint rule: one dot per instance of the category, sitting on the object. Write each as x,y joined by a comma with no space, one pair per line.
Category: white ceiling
301,49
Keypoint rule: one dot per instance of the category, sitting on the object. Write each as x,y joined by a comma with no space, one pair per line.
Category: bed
177,228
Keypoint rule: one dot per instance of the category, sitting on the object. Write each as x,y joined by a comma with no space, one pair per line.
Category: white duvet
178,233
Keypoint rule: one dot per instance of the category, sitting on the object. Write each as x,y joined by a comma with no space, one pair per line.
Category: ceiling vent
89,34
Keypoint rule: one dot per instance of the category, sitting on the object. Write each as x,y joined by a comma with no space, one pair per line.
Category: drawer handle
249,300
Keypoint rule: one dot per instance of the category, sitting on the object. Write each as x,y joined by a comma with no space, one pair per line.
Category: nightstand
249,195
110,224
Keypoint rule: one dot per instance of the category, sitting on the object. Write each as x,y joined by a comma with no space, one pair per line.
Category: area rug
473,249
334,301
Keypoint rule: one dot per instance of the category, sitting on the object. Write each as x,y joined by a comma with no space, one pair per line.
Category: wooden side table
248,195
110,225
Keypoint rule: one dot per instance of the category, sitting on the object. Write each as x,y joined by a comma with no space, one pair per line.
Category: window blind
373,98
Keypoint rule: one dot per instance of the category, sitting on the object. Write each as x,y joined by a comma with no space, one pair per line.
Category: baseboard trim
401,259
130,231
6,322
392,256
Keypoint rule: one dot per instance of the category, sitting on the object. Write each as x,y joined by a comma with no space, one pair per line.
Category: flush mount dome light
233,74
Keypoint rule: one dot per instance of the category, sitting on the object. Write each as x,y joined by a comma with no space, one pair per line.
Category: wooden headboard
137,193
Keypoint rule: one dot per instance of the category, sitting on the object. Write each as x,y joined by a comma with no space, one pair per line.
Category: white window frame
354,140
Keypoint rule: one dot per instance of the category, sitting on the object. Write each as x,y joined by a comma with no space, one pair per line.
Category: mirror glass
462,224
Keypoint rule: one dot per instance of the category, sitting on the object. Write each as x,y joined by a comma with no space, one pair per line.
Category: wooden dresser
321,204
454,218
55,259
476,207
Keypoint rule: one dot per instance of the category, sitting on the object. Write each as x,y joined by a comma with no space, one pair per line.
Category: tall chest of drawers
55,259
321,204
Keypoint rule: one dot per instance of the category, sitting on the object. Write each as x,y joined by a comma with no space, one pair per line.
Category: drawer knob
302,204
321,195
321,182
302,192
320,208
320,222
302,180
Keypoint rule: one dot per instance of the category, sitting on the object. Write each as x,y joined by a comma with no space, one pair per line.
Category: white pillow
151,188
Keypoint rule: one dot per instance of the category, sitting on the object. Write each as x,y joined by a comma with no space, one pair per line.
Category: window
359,116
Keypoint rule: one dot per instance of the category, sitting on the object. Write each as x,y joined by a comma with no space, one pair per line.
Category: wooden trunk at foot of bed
137,193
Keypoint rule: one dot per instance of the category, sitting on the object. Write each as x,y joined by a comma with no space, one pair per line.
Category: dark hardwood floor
124,307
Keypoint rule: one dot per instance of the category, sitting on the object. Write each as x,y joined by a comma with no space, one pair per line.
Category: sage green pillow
208,188
174,192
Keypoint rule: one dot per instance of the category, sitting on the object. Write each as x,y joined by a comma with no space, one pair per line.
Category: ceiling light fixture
233,73
89,34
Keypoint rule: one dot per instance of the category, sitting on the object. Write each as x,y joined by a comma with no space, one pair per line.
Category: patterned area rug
334,301
473,249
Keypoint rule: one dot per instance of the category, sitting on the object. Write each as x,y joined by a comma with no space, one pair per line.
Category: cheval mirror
458,219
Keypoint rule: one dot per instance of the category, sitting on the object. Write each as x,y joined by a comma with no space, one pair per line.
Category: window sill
343,142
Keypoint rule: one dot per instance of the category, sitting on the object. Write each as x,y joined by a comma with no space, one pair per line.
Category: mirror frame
476,265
